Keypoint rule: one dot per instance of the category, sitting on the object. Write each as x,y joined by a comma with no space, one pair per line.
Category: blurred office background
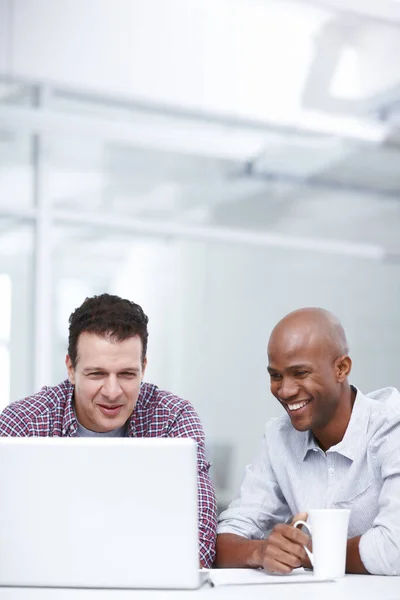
221,162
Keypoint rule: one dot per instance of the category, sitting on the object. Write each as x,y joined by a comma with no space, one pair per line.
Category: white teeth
297,405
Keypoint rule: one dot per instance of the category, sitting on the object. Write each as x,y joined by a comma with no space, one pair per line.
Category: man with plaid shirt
105,396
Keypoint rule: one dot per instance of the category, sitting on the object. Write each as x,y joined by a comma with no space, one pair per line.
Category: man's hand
306,563
283,550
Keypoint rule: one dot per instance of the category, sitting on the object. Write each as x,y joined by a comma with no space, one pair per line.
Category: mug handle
307,526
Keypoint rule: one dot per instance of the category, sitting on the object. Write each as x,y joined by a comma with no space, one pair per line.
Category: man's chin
301,425
109,426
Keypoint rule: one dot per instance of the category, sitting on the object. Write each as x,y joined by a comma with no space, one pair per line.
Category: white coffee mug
328,529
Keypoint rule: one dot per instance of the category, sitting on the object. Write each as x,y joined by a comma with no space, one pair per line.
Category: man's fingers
283,550
292,534
284,545
274,566
299,517
287,556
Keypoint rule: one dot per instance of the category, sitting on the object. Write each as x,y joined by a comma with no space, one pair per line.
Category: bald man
334,448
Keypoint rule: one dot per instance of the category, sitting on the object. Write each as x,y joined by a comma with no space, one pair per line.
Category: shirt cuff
375,553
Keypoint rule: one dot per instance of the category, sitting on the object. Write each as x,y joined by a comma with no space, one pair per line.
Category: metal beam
251,170
246,237
221,234
200,133
43,282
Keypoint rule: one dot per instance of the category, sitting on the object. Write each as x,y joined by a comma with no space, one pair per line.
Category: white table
352,587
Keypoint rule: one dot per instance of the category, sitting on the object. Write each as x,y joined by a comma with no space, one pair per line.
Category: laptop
99,513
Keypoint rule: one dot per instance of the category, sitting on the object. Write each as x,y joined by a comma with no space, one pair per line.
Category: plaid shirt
157,414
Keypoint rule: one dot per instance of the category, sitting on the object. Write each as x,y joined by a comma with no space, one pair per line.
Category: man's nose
111,387
288,389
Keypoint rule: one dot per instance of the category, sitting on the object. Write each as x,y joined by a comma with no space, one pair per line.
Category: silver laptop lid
111,513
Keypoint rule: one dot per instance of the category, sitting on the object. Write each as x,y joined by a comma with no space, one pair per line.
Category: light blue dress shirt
291,474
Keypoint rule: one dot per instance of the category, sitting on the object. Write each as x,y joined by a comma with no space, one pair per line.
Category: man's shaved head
311,325
309,367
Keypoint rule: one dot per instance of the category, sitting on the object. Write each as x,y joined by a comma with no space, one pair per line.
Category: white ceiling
306,95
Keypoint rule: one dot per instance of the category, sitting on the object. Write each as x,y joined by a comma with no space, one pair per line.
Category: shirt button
331,470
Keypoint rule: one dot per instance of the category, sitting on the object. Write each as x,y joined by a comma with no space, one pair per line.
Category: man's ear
70,370
342,367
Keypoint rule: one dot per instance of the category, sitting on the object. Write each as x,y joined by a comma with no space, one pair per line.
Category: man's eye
275,376
300,373
96,374
128,375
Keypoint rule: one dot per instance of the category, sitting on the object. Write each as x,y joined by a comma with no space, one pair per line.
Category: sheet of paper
258,576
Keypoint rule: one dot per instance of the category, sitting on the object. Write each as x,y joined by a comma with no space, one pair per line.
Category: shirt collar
355,434
69,422
310,444
140,413
131,425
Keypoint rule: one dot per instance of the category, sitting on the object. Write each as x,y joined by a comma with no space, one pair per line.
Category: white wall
230,299
5,35
19,268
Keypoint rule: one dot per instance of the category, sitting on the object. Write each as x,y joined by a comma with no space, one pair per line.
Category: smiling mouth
297,405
